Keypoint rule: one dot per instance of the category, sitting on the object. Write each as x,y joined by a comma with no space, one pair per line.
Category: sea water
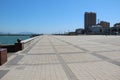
11,39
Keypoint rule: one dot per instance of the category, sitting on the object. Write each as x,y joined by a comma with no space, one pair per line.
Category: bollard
18,45
3,56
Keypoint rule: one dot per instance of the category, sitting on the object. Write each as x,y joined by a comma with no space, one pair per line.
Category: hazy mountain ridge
17,33
26,33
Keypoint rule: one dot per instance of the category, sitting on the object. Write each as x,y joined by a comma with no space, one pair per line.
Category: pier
48,57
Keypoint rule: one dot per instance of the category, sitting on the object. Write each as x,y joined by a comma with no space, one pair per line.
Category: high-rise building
89,20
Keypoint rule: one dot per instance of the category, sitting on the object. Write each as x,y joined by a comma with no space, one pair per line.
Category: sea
5,40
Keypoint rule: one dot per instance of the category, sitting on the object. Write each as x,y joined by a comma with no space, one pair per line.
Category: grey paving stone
3,72
15,60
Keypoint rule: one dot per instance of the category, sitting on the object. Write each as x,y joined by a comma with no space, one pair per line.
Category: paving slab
96,71
50,57
39,72
112,54
82,57
39,59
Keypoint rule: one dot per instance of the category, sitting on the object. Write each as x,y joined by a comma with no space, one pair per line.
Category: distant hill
3,33
25,33
21,33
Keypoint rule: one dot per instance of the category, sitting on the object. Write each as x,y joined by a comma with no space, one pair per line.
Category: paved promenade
66,58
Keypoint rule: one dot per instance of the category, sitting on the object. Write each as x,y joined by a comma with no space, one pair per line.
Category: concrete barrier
20,45
26,43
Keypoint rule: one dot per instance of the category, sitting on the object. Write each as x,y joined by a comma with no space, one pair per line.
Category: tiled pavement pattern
66,58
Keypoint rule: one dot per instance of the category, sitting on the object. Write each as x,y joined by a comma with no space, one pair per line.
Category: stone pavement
66,58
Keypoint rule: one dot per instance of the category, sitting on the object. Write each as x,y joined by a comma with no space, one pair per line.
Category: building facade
115,29
89,20
105,24
79,31
95,29
98,30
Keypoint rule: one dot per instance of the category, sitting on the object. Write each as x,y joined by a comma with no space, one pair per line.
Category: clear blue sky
51,16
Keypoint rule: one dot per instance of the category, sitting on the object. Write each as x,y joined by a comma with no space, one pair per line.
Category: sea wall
20,45
9,47
26,43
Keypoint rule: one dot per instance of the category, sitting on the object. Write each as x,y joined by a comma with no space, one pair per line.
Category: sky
53,16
